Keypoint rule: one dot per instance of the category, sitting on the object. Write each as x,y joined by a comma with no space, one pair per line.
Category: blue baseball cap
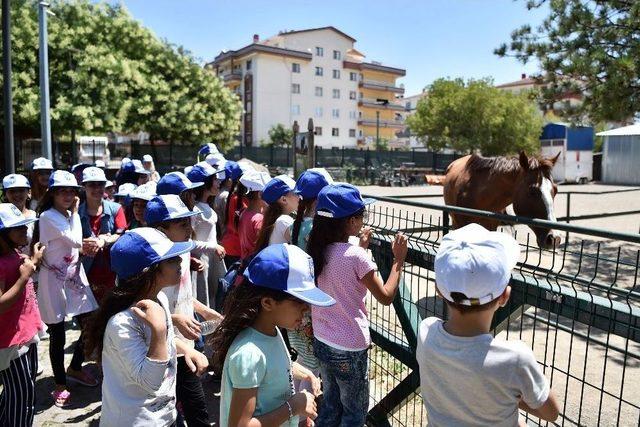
277,187
141,248
289,269
310,183
10,216
209,148
203,170
176,183
232,170
165,208
62,178
340,201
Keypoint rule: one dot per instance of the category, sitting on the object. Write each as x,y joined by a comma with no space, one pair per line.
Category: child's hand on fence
399,247
304,404
152,314
365,237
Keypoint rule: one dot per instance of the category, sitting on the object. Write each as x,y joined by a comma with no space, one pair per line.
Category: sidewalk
85,409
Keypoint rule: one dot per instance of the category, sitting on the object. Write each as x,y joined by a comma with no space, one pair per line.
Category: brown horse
493,183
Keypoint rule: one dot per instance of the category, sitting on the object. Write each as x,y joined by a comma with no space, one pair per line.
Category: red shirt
248,228
231,239
100,276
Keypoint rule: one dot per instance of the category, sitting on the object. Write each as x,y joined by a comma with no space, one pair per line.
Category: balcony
380,85
397,124
234,76
374,103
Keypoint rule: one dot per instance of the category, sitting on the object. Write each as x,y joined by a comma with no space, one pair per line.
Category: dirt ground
618,373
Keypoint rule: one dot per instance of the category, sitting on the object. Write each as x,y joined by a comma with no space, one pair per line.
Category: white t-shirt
476,381
281,227
136,390
204,226
63,288
180,297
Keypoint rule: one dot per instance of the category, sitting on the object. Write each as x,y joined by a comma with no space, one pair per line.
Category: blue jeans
345,379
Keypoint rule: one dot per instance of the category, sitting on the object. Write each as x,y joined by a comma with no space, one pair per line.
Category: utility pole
9,148
45,114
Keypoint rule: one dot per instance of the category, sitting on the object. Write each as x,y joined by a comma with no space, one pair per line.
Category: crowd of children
139,265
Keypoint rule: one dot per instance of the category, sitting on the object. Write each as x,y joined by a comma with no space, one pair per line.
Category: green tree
280,136
109,73
476,116
587,46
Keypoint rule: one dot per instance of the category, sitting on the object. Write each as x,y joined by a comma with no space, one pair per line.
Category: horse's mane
507,165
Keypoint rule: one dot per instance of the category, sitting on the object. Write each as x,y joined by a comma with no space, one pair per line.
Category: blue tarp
578,138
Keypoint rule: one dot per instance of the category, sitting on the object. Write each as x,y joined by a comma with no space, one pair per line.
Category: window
336,54
353,76
336,74
248,65
407,105
318,111
336,93
318,71
319,51
360,133
318,131
295,88
318,91
335,113
352,133
295,68
352,94
352,114
335,132
295,109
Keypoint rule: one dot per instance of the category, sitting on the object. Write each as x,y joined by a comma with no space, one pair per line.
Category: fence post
342,159
445,223
435,160
311,146
566,236
413,155
271,148
366,165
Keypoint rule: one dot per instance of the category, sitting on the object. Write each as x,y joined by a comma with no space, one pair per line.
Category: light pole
9,149
45,114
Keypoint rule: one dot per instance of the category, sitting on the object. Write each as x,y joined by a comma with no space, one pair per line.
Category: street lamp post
9,149
45,113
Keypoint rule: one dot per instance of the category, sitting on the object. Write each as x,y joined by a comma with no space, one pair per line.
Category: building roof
332,28
527,81
623,131
256,47
374,67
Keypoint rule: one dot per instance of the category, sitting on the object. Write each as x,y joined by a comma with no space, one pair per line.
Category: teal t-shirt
256,360
303,235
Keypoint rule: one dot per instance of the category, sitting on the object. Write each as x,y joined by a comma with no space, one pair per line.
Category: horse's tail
434,179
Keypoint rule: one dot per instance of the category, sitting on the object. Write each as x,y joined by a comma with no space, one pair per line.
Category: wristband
289,408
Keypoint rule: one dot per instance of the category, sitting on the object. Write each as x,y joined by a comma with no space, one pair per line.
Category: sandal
61,398
83,378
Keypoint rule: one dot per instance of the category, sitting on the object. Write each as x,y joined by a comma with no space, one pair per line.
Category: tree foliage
588,46
280,136
109,73
476,116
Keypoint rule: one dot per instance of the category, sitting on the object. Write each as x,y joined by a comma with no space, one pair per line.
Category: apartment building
315,73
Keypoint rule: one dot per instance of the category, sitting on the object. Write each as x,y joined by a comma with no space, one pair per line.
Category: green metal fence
577,307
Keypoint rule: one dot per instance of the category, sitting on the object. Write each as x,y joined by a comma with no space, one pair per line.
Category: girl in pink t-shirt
20,319
346,272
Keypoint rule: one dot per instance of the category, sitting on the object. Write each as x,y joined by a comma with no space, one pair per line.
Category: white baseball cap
215,160
10,216
41,163
100,164
145,191
475,262
147,158
125,189
254,180
110,184
125,160
187,169
93,174
62,178
15,180
139,168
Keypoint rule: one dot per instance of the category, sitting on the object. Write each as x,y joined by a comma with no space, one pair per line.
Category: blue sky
428,38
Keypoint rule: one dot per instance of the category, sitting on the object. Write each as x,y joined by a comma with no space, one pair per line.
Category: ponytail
271,214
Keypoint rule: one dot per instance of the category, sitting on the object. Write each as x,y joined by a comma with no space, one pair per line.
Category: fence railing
577,307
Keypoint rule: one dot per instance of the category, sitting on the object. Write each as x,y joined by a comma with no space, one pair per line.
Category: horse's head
533,196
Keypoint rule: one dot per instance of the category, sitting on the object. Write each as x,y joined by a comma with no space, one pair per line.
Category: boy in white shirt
467,376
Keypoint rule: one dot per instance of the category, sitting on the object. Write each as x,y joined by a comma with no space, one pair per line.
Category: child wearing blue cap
281,202
172,217
20,319
229,204
257,374
63,287
132,332
347,273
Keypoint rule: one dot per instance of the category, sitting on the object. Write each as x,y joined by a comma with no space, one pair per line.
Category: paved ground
87,400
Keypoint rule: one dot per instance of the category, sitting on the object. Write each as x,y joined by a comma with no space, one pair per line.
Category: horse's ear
524,160
555,159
